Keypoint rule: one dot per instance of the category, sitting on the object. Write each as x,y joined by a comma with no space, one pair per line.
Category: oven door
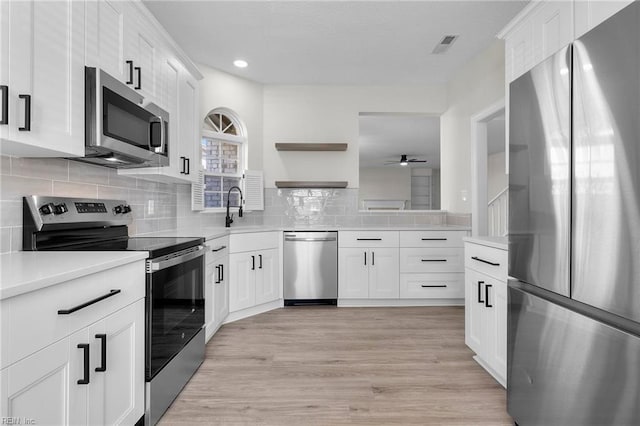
175,305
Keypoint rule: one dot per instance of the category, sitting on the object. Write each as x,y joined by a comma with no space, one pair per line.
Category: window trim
241,141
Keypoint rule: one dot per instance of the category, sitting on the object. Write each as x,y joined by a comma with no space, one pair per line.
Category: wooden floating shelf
296,146
310,184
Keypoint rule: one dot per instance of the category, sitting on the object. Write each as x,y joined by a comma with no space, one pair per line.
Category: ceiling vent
444,44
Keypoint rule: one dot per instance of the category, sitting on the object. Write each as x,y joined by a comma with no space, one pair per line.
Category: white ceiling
385,137
334,42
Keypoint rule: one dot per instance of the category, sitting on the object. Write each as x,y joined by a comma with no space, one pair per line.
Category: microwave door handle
156,121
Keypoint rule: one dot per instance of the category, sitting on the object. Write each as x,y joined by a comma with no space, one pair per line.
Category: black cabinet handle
182,172
253,263
5,104
486,296
103,352
218,249
130,63
480,291
365,258
433,260
90,302
368,239
434,239
85,348
484,261
221,272
433,285
217,275
260,257
188,166
27,113
373,258
139,72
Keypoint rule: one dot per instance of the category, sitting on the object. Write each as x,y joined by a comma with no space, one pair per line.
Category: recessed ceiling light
240,63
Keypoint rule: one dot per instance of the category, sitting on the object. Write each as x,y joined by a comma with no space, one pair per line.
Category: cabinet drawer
431,260
431,286
432,238
368,238
487,260
219,249
252,241
31,321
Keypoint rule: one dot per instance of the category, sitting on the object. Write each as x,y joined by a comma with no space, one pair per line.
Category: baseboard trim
381,303
254,310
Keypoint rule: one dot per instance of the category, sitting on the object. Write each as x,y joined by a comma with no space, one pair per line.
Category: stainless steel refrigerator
574,232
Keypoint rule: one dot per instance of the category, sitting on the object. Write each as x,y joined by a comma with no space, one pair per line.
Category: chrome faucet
229,219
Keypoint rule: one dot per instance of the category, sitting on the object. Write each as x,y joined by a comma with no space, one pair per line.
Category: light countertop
495,242
26,271
210,233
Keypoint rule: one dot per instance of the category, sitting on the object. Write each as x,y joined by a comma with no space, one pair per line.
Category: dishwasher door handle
309,239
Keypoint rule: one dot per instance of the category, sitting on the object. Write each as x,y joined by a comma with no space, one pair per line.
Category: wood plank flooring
342,366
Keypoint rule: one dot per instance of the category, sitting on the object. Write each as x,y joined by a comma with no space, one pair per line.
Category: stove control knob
46,209
126,209
60,208
118,209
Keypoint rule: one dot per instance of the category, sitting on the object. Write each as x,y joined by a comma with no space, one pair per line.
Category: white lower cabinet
94,373
216,294
486,309
368,273
254,270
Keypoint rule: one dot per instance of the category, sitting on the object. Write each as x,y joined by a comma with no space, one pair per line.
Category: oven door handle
159,265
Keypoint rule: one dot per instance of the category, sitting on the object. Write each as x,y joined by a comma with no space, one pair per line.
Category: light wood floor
339,366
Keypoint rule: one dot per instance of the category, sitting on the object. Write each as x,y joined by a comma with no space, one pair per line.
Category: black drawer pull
434,239
221,273
85,348
365,258
130,63
433,260
27,113
218,249
480,291
433,285
253,263
485,261
260,258
486,296
139,72
5,105
184,165
217,275
368,239
188,166
90,302
103,352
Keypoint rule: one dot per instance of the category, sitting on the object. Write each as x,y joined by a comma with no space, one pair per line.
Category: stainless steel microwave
120,130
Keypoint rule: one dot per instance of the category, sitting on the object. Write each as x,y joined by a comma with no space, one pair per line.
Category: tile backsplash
154,204
161,206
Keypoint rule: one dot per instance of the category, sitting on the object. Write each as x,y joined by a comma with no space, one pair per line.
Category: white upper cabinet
42,68
106,23
589,13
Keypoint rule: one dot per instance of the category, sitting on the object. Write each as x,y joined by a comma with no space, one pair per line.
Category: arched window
223,157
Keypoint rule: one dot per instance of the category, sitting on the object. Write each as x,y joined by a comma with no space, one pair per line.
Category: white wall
330,114
479,84
497,179
384,183
219,89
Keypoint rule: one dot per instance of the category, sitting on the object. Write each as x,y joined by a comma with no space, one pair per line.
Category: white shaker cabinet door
267,288
242,289
384,274
117,368
221,291
43,59
474,305
353,273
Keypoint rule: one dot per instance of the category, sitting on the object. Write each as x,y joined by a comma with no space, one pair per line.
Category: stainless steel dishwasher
310,268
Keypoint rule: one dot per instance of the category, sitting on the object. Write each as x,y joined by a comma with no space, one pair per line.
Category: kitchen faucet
229,219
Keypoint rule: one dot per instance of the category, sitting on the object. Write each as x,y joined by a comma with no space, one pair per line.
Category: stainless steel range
174,283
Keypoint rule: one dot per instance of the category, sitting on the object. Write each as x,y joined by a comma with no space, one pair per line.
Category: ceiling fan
404,161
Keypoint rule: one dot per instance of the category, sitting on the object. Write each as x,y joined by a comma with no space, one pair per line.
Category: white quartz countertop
26,271
210,233
495,242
